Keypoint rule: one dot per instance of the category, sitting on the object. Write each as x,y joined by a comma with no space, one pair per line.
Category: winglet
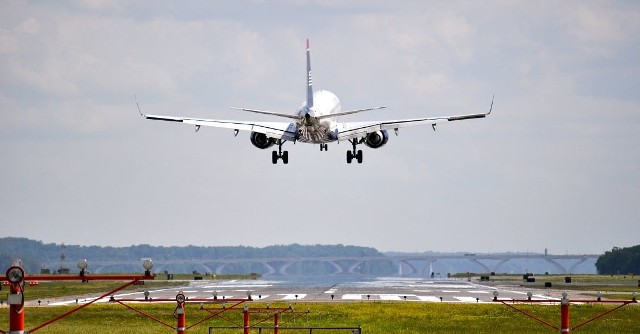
138,104
491,107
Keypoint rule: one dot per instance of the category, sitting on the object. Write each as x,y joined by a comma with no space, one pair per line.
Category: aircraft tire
274,157
349,157
359,156
285,157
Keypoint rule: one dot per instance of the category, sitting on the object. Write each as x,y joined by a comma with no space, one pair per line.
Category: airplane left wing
351,130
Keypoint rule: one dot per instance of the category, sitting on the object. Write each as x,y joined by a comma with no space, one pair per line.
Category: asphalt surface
380,289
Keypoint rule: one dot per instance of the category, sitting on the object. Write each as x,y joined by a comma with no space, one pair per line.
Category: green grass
605,283
374,317
608,279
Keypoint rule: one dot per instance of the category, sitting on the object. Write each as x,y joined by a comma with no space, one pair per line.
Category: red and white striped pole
15,276
564,314
16,311
181,314
275,323
246,319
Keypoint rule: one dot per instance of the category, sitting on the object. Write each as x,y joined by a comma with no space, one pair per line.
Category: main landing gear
353,153
279,154
324,147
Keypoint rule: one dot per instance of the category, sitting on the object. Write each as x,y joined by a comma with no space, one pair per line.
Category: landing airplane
316,123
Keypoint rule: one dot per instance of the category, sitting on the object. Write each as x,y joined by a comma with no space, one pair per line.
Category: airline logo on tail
310,86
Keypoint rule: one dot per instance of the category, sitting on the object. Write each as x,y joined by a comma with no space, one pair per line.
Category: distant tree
34,253
620,261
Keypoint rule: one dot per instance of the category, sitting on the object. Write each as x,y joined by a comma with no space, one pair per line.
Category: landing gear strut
357,154
279,154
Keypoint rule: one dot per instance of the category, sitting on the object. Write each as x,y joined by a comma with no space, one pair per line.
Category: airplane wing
351,130
277,130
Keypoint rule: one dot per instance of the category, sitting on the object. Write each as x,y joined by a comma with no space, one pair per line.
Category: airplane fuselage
313,126
316,122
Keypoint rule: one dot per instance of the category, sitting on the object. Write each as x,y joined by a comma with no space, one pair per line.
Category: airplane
316,122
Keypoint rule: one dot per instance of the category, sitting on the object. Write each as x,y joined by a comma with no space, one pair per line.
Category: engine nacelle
376,139
260,140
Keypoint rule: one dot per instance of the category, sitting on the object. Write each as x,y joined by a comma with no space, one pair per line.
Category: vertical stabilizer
309,81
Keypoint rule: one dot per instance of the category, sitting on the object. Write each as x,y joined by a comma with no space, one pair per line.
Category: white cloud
559,149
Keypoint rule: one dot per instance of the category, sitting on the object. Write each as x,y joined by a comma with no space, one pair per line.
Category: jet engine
376,139
260,140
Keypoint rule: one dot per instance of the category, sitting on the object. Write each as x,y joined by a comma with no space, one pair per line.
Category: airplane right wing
276,130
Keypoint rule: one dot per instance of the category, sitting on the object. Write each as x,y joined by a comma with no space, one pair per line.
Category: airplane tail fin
309,81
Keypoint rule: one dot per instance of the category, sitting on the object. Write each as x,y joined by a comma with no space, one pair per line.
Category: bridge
411,266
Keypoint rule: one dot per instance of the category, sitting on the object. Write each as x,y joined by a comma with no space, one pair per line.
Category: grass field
612,287
374,317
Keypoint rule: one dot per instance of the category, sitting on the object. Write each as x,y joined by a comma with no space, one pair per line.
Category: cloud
557,153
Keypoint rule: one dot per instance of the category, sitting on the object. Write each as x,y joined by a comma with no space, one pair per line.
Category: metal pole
16,312
275,323
246,319
181,320
564,316
181,313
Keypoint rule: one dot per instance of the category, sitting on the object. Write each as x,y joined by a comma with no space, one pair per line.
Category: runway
378,289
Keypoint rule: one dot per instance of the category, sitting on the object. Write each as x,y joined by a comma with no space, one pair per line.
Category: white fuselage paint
315,130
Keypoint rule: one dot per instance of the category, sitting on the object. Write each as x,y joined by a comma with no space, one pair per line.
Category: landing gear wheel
357,154
279,154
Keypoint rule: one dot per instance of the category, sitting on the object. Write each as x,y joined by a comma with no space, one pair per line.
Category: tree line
34,254
620,261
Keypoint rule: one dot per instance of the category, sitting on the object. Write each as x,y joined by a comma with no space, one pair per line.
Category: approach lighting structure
147,264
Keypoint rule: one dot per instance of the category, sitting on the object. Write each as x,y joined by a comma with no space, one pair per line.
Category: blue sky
555,166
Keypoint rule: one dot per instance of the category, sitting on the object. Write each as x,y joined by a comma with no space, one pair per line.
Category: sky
555,166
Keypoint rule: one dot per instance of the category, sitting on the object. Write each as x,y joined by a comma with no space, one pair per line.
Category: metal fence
287,330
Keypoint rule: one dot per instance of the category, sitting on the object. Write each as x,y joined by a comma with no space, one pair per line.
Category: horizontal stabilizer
266,112
349,112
